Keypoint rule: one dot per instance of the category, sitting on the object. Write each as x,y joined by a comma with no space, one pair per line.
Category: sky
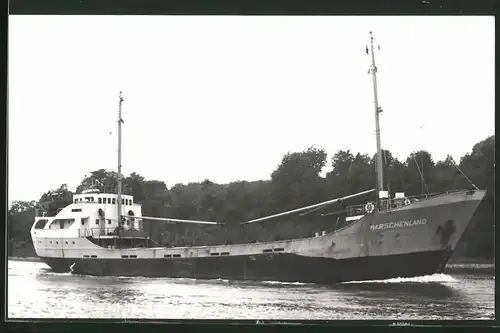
225,97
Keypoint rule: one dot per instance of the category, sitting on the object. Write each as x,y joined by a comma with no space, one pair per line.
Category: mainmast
119,181
373,69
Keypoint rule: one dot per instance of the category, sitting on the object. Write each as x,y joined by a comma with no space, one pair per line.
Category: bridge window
113,201
97,221
109,200
109,221
92,199
40,224
99,200
123,201
76,200
62,222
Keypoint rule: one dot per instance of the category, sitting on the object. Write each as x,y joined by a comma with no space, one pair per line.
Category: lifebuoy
369,207
407,201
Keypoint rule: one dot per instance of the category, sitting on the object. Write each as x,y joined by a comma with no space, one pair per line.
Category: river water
36,292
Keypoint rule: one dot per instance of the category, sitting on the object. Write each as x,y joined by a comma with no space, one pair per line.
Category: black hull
264,267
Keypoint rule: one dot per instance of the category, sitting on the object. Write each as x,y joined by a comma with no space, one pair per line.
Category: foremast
119,176
378,110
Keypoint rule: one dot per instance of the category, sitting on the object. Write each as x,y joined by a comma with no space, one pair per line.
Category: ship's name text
399,224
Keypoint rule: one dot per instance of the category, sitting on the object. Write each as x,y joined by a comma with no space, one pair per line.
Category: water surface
36,292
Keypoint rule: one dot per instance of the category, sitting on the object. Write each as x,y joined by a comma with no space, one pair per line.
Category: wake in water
286,283
419,279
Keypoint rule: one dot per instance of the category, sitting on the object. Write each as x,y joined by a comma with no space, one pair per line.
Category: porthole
73,243
57,242
66,243
50,242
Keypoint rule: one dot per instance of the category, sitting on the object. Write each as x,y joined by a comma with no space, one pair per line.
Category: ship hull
266,267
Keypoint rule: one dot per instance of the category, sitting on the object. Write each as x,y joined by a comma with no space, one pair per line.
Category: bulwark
399,224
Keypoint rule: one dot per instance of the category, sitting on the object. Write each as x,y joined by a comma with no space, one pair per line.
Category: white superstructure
91,214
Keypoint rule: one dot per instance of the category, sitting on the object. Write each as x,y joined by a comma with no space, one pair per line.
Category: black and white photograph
264,168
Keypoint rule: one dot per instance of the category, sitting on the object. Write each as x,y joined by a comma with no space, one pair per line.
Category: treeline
296,182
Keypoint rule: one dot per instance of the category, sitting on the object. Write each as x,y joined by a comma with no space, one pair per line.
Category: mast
380,176
119,180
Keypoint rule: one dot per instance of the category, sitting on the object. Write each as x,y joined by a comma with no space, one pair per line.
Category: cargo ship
392,235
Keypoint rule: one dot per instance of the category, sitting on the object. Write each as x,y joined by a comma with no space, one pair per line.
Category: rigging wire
463,174
421,174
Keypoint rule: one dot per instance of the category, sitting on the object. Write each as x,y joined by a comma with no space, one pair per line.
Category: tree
479,165
297,180
135,183
446,175
419,165
102,179
18,206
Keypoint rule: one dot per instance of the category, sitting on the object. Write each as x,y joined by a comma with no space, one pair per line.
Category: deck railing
99,232
394,203
108,190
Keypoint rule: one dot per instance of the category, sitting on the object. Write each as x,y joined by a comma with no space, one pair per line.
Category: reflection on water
36,292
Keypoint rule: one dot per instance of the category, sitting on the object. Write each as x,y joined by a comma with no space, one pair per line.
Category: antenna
119,180
373,69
